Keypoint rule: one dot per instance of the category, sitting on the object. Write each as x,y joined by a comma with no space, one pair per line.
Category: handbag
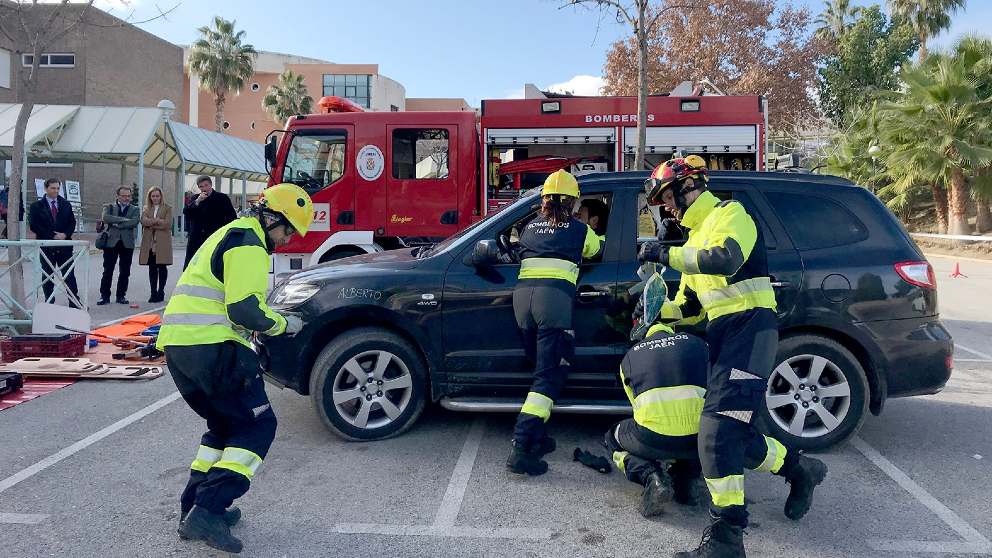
103,241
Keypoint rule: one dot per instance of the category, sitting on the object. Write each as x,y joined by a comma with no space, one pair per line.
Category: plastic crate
24,346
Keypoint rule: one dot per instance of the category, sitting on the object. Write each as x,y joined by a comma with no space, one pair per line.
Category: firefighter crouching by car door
551,247
217,302
724,267
665,375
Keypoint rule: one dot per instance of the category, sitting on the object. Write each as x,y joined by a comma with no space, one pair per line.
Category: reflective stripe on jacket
222,292
550,251
723,263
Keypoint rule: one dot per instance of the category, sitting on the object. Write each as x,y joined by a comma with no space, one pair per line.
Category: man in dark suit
51,218
122,219
205,214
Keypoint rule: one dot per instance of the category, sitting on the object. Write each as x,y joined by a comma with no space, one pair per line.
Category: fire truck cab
384,180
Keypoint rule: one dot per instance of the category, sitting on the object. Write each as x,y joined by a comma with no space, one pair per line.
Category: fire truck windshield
314,161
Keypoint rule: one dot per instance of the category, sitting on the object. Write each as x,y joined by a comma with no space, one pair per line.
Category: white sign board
370,162
321,217
39,188
73,193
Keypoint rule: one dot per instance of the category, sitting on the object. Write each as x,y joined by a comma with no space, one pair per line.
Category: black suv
387,332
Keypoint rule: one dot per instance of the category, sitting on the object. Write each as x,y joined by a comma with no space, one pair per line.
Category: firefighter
665,375
724,281
218,300
551,247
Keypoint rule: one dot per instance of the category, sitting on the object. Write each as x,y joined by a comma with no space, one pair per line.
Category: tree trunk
923,47
642,84
984,221
940,206
219,111
958,221
14,203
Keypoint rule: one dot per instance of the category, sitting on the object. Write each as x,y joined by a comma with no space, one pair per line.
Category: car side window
836,226
595,208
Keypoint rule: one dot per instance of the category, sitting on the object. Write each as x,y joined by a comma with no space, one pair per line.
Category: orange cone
957,271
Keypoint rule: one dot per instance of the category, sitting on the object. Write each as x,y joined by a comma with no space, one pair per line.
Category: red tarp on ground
129,327
33,387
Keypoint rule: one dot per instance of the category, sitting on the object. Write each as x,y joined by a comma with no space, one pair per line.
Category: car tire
842,383
360,414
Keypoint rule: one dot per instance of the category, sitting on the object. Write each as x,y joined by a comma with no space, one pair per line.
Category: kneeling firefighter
218,300
665,376
725,281
551,248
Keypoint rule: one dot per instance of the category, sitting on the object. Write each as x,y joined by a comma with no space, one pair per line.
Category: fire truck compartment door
715,139
531,136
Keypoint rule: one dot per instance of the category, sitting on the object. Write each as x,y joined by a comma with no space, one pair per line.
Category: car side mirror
270,151
485,254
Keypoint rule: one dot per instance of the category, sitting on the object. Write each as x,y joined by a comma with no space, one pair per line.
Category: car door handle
781,284
592,294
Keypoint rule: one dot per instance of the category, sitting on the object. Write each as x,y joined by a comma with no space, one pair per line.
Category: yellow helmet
561,182
292,202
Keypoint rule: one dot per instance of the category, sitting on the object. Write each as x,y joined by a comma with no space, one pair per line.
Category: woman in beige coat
156,241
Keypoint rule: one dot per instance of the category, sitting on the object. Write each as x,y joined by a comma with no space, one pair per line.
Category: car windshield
456,240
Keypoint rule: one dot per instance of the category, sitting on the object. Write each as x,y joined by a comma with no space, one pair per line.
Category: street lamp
168,108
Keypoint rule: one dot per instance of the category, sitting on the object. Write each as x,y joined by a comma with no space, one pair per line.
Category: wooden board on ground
82,368
103,354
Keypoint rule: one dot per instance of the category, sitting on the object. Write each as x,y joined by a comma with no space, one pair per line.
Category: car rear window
816,222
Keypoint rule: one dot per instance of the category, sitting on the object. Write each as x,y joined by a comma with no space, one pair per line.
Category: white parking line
47,462
986,356
23,518
971,360
451,503
975,543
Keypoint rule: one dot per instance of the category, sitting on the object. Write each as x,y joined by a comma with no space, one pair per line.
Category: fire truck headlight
291,294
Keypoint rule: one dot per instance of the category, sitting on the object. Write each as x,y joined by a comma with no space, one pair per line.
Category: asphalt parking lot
95,469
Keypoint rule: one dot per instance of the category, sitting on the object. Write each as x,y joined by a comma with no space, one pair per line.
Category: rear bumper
915,354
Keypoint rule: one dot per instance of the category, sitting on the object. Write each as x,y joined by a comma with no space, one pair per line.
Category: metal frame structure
31,256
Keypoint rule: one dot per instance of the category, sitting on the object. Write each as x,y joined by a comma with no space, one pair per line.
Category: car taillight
917,273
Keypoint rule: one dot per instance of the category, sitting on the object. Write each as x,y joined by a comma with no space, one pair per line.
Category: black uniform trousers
742,352
543,310
638,452
121,256
221,382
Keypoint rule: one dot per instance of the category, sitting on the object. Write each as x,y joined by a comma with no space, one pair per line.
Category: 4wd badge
370,162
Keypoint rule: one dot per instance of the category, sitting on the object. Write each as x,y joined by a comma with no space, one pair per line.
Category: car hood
378,262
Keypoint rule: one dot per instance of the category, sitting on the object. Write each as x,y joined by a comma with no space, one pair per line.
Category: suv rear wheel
817,396
368,384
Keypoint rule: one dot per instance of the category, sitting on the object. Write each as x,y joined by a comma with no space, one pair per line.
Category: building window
420,154
226,125
255,87
354,87
252,125
50,60
4,68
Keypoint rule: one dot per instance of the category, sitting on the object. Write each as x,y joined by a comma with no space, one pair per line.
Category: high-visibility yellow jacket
554,251
723,263
221,295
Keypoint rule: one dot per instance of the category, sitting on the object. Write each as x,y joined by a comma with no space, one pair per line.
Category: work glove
653,252
294,324
670,230
592,460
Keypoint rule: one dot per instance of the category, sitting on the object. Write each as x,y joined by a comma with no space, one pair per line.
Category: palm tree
835,19
938,130
977,52
287,98
927,17
222,62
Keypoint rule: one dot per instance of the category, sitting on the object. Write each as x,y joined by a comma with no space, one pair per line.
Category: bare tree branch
604,4
127,22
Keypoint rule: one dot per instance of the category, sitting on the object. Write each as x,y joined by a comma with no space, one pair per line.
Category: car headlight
291,294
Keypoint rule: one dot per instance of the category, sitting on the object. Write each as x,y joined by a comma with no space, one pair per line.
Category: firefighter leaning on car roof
219,299
551,247
725,281
665,375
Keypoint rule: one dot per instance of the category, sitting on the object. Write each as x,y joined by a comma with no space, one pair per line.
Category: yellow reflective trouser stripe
620,460
727,491
199,291
549,268
774,458
538,404
191,318
674,393
240,461
746,289
206,456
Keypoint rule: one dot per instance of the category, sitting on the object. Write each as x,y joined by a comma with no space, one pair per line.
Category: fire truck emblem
370,162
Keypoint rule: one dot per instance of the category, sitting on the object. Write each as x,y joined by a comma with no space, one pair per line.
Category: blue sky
439,48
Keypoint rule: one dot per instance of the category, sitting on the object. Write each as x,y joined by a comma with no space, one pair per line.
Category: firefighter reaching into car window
551,247
664,375
725,281
217,302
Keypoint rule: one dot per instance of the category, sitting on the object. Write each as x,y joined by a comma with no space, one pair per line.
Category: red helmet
671,172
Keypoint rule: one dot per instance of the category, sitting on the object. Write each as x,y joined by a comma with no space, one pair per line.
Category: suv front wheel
817,395
368,384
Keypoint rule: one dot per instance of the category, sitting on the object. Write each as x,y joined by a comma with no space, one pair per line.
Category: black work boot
545,446
685,486
802,474
210,528
231,516
657,493
720,540
526,460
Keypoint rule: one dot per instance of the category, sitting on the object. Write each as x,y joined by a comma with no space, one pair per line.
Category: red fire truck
383,180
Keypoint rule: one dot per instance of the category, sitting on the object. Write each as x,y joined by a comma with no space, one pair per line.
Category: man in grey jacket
121,219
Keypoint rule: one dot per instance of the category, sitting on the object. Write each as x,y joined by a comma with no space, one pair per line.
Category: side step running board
507,405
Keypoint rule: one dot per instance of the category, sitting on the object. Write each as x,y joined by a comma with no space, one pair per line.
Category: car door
422,195
482,343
